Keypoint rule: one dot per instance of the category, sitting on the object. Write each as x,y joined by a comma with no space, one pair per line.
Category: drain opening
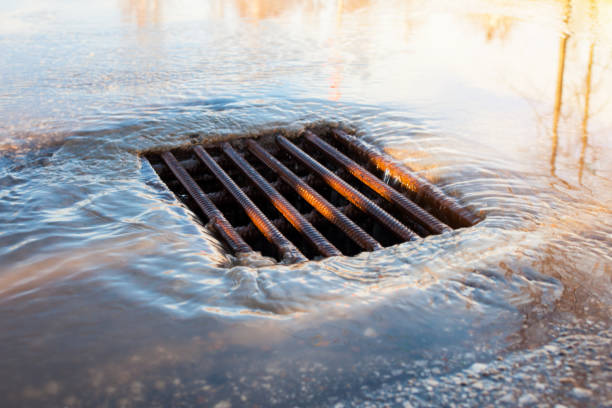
315,195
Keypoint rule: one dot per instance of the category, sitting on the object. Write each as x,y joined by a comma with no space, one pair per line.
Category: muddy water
112,294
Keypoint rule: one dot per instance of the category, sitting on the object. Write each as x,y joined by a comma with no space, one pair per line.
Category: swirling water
112,293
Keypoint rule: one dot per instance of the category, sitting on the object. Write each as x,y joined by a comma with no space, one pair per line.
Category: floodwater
112,294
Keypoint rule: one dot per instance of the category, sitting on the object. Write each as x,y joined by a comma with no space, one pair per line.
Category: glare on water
113,293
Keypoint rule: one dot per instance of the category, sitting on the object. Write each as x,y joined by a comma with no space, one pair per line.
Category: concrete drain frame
295,197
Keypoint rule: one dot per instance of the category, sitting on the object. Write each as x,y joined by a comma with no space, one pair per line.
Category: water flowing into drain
302,198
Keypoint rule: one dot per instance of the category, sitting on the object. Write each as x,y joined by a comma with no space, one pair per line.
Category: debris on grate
318,194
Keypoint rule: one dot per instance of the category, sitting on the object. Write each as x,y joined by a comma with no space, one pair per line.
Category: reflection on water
589,22
585,118
559,91
263,9
142,12
587,92
111,293
495,27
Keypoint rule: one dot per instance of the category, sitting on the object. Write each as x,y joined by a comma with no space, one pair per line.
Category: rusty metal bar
281,223
287,250
313,217
352,230
348,192
215,217
223,197
282,205
442,205
384,190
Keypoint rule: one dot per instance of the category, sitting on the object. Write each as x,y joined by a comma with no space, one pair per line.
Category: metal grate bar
384,190
443,205
215,217
347,191
282,205
352,230
223,197
300,196
313,217
288,251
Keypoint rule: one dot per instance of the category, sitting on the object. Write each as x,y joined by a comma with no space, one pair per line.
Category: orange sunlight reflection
142,12
547,83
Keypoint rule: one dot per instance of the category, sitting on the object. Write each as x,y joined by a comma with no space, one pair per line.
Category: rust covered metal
348,192
283,206
215,217
330,212
440,203
285,247
384,190
307,195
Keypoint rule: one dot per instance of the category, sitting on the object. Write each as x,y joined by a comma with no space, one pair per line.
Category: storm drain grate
319,194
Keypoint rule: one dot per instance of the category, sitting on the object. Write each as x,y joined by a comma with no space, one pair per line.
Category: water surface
113,294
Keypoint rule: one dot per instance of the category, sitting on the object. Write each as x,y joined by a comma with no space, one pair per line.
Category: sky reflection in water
111,293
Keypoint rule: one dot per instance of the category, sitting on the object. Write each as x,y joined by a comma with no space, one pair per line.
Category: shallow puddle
112,293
